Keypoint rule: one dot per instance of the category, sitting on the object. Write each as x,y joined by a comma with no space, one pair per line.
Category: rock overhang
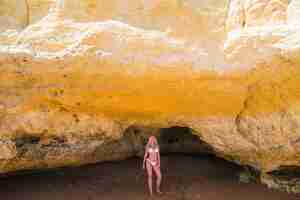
68,77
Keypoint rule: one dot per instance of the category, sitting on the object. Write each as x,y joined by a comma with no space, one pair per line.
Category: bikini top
151,150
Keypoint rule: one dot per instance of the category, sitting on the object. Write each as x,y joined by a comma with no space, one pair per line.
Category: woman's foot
159,192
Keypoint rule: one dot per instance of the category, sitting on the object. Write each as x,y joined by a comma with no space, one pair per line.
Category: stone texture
14,14
283,182
17,14
256,13
8,150
293,12
92,79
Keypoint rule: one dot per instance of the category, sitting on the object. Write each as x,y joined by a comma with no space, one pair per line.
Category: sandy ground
184,178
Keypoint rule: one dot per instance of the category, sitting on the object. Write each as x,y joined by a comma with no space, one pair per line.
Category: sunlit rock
18,14
294,12
91,80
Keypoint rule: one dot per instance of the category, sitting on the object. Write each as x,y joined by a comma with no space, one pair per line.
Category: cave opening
182,140
175,141
172,140
184,145
189,165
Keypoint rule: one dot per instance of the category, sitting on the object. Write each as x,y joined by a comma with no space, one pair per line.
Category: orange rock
88,76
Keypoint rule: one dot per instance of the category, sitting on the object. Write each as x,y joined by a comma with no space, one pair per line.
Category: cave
189,166
182,140
175,139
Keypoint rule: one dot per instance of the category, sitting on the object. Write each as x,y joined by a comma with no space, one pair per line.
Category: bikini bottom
153,163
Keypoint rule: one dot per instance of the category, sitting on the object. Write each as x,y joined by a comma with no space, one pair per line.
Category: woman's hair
152,141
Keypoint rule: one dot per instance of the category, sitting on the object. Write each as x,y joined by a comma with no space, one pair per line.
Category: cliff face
91,80
17,14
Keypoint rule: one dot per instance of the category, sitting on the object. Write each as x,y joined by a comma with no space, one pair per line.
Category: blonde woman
152,163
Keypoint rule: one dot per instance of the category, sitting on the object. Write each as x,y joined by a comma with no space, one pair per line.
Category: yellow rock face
256,13
73,83
17,14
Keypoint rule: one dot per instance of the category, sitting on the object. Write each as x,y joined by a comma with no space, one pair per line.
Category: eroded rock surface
92,80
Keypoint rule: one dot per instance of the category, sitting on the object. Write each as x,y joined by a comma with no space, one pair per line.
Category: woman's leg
158,178
149,172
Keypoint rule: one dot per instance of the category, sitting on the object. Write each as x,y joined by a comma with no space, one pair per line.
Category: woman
152,163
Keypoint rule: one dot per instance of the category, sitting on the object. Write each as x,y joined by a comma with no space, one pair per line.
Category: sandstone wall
18,14
75,82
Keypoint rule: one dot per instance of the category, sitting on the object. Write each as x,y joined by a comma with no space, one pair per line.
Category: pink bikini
151,150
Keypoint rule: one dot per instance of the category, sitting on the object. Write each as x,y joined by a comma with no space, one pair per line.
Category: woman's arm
145,156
